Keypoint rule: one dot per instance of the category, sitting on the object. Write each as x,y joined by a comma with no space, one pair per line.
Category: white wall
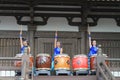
60,24
106,25
9,23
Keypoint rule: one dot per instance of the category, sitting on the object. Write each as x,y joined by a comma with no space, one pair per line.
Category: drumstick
88,30
21,29
89,36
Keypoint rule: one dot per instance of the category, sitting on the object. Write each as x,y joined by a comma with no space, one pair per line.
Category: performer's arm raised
21,42
56,36
89,36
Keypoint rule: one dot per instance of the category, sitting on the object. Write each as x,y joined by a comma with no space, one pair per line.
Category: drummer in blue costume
23,44
57,49
93,48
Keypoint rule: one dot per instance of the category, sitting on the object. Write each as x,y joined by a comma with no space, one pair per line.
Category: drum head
80,55
43,54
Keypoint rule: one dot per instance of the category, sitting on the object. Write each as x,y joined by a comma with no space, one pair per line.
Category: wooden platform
88,77
65,78
55,78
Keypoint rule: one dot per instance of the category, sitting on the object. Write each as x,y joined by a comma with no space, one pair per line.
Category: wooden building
41,18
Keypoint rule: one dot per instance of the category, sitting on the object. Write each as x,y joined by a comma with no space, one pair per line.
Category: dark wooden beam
84,14
31,35
59,8
118,20
58,2
14,1
22,22
71,23
83,28
14,8
58,14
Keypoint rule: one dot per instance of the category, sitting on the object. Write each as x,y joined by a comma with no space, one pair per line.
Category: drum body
93,63
43,61
62,61
19,63
80,62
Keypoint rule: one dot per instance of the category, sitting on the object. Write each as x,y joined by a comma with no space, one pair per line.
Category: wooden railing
103,71
105,66
114,66
7,65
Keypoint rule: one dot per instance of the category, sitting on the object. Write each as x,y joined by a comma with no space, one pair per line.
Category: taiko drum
93,63
19,63
62,61
43,61
80,62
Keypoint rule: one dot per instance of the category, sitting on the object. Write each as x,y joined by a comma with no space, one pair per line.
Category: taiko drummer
93,47
57,46
57,49
23,44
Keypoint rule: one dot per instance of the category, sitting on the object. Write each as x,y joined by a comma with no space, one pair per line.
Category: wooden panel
9,47
106,35
9,42
11,34
110,47
45,45
61,34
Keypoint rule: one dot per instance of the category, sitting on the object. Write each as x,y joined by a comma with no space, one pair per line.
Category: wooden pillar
31,40
84,41
83,29
31,33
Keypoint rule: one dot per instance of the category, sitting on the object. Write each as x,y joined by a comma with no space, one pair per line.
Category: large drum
19,63
80,62
93,63
43,61
62,61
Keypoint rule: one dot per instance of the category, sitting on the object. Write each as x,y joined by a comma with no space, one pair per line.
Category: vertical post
31,29
31,32
83,28
83,42
31,40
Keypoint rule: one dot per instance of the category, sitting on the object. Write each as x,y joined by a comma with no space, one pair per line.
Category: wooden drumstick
89,36
88,30
21,30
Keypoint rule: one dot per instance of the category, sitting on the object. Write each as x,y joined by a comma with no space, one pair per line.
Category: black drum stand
63,72
43,72
80,72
